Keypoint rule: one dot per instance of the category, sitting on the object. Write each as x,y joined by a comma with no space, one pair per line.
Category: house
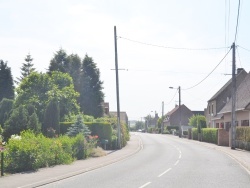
173,117
242,106
123,116
220,99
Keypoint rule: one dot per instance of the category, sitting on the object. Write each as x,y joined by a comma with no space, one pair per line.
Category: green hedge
194,133
31,152
243,134
210,135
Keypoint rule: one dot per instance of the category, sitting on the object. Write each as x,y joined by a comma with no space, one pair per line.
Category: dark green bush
195,133
210,135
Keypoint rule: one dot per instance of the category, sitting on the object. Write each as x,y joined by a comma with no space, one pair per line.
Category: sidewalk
52,174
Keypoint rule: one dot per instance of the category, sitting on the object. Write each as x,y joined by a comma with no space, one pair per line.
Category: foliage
243,134
6,106
125,134
78,127
197,120
38,89
210,135
172,127
6,82
17,122
139,125
194,133
52,117
27,67
31,152
91,95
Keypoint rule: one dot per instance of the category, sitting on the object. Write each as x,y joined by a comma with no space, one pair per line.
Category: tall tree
91,95
27,67
59,62
52,116
6,106
6,82
67,64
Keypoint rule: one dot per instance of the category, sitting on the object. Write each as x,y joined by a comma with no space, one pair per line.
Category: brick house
173,117
214,116
242,106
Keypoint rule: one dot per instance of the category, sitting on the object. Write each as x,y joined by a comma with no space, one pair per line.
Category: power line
169,47
237,22
171,99
244,48
210,72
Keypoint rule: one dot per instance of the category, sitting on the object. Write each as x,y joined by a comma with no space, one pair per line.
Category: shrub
195,133
243,134
210,135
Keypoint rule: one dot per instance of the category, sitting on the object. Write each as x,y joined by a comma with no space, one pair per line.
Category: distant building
173,117
123,116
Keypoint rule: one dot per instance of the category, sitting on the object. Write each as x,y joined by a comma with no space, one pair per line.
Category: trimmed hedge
210,135
243,134
194,133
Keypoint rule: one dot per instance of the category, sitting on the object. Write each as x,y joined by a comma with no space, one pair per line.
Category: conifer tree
78,127
27,68
6,82
91,95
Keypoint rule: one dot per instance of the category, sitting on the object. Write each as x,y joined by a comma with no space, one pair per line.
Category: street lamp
179,89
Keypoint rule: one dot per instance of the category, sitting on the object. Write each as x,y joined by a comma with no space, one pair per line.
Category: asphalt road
165,161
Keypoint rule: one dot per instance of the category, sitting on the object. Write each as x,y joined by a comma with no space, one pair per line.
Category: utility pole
162,117
117,93
233,127
180,132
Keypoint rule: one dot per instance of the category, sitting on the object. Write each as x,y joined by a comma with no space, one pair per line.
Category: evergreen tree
27,67
6,82
6,106
52,117
59,62
91,95
33,123
78,127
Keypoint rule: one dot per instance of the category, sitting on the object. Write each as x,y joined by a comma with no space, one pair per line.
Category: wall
223,137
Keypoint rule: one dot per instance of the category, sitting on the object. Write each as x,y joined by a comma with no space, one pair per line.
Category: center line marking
164,172
146,184
176,163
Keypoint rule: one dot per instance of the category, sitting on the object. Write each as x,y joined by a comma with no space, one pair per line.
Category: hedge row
31,152
209,135
195,133
243,134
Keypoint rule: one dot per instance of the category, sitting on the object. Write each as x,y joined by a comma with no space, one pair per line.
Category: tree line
40,101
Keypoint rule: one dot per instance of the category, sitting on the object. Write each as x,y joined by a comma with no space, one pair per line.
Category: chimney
239,70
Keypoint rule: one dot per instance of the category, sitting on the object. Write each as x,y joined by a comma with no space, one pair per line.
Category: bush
210,135
243,134
195,133
31,152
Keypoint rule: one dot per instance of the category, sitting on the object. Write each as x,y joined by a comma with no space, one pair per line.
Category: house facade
218,111
123,116
173,117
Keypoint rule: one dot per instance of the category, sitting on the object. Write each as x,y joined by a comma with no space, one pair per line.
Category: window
212,109
209,109
244,122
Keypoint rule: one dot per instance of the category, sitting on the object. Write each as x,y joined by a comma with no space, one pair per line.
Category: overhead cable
169,47
210,72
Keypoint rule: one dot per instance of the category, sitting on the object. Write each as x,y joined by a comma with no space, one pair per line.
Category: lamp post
179,89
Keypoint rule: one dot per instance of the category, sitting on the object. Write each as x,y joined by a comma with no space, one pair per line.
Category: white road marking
165,172
176,163
146,184
179,156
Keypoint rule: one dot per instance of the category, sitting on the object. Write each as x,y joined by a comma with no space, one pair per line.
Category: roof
242,97
176,108
241,74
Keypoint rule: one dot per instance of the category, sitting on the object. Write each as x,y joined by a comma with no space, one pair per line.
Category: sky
160,43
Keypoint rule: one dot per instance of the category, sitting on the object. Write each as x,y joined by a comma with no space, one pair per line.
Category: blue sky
42,27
